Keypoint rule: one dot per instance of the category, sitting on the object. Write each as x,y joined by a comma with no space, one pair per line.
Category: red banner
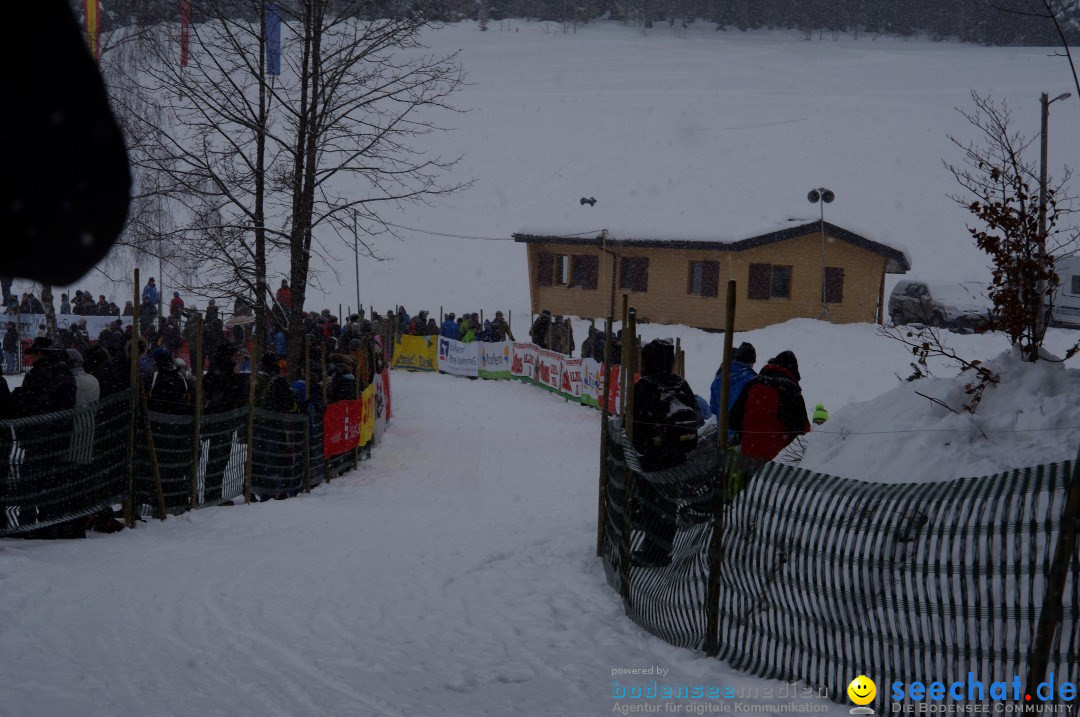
386,390
341,426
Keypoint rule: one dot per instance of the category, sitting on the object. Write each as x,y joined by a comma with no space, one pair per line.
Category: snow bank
1031,416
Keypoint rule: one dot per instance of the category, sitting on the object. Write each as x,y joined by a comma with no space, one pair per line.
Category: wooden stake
631,370
1050,617
250,458
307,413
155,469
325,396
196,447
133,353
712,599
601,512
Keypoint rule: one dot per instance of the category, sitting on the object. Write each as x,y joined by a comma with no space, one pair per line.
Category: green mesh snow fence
61,466
825,578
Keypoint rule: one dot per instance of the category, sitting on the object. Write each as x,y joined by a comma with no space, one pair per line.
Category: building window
1075,285
704,278
583,270
543,268
769,281
562,269
834,285
635,273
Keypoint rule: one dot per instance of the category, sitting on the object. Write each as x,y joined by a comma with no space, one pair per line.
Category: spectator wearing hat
742,372
500,329
11,349
176,306
771,413
87,391
284,296
450,327
65,305
48,386
150,292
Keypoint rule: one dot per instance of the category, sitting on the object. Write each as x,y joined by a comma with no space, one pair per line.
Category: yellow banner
367,423
416,353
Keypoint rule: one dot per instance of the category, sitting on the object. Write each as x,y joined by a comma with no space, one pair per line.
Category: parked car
951,305
1067,295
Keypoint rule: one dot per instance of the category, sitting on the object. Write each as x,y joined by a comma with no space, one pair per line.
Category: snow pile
1031,417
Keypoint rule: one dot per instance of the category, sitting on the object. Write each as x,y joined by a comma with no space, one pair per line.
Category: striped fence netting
822,578
57,467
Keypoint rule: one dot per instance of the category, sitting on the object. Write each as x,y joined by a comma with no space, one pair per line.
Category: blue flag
272,30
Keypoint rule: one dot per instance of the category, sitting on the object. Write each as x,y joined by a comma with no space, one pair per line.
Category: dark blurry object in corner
65,184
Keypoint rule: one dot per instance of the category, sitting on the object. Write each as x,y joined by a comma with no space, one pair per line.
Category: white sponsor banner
570,377
457,358
495,359
592,382
523,361
549,369
28,324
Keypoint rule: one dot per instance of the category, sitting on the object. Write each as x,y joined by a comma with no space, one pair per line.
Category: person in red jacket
284,295
770,412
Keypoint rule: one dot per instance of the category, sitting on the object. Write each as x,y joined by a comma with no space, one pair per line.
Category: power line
467,236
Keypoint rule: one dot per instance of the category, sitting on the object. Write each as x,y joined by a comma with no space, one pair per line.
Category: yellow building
786,274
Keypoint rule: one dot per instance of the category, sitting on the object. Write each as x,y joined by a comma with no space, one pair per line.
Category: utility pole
1045,102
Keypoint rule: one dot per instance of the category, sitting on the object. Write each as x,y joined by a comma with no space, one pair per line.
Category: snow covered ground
453,574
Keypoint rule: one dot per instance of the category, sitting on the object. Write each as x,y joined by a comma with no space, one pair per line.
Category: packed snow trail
453,574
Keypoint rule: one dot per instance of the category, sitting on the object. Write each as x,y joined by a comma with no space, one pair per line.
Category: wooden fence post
307,413
601,513
196,448
250,458
133,355
325,396
712,599
1050,617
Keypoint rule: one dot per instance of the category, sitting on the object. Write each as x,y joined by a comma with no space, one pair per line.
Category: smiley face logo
862,690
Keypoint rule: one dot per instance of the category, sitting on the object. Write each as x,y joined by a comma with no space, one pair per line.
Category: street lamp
1045,101
822,196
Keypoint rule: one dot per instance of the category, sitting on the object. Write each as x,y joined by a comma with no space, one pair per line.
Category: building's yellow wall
667,300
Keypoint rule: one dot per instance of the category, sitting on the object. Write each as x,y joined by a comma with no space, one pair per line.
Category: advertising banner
459,359
386,392
341,426
28,324
367,414
523,361
495,359
592,382
416,353
570,377
380,409
548,369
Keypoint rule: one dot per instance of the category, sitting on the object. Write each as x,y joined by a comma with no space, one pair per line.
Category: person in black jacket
169,393
49,386
665,430
11,349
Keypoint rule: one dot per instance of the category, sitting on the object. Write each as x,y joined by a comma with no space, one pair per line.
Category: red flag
92,28
185,24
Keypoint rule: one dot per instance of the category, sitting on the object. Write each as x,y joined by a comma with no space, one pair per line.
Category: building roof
896,261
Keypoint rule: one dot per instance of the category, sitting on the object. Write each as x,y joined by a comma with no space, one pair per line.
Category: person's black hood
657,358
787,360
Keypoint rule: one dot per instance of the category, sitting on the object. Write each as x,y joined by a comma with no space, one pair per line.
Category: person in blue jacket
742,371
450,327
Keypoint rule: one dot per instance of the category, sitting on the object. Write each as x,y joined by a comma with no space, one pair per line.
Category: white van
1067,295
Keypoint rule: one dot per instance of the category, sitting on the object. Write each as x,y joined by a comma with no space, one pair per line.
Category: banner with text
548,369
495,359
570,377
367,414
457,358
416,353
592,382
342,424
523,361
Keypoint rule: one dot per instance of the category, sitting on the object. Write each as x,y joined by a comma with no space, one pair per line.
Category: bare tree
1002,192
255,164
